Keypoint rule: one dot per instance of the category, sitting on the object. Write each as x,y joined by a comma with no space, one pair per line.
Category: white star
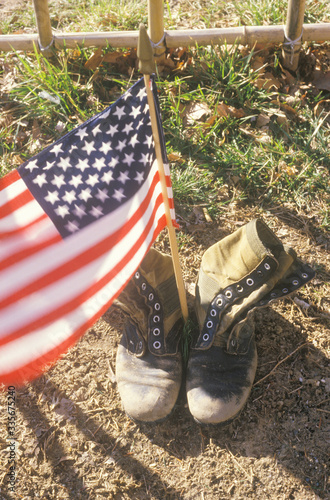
120,112
49,165
72,226
52,197
96,212
107,177
85,194
82,165
139,124
133,141
92,180
121,145
102,194
142,93
135,112
62,211
82,133
124,177
79,211
69,196
105,148
146,109
127,95
129,159
76,180
32,165
139,177
56,149
119,194
58,180
128,128
40,179
114,161
144,159
113,130
96,130
106,113
89,147
99,164
64,163
73,148
149,141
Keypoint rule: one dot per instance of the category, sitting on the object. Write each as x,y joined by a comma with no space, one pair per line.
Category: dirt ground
74,440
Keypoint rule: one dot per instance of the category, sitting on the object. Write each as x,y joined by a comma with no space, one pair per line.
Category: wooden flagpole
147,67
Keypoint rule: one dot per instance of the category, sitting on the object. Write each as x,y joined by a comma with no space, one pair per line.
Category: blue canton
96,167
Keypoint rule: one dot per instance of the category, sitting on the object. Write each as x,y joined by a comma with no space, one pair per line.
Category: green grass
282,164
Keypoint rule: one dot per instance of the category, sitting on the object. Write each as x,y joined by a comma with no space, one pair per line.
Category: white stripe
40,232
10,192
34,345
21,217
48,299
45,261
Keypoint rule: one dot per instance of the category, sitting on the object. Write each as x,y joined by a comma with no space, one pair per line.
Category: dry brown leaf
267,81
95,60
175,157
262,120
322,80
322,106
195,112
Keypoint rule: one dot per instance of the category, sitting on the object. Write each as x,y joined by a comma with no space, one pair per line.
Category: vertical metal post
293,34
156,28
43,25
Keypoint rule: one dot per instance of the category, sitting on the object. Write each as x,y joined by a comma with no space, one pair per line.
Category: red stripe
85,257
93,289
7,234
9,179
17,202
28,252
35,368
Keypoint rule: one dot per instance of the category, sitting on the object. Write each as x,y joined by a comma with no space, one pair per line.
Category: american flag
75,223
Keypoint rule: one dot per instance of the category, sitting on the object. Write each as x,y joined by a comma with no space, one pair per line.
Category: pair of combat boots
243,271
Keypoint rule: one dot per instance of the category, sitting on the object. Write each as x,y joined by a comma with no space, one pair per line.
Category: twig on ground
279,363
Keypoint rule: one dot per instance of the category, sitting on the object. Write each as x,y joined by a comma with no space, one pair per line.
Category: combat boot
148,364
247,269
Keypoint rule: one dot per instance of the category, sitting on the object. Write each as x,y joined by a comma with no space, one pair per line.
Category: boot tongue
232,258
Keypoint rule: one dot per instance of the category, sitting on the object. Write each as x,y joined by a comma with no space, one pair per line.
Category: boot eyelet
266,266
140,345
228,294
219,302
151,297
213,313
295,282
156,331
137,275
239,288
233,342
250,282
285,290
305,276
157,344
156,319
157,306
260,273
273,294
209,324
206,337
144,286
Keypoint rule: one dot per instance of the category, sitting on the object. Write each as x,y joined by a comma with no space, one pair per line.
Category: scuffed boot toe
151,394
219,384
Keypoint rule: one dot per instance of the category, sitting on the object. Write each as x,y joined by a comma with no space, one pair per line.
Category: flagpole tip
145,53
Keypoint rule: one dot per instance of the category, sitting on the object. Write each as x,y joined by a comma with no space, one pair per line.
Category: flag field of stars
96,167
